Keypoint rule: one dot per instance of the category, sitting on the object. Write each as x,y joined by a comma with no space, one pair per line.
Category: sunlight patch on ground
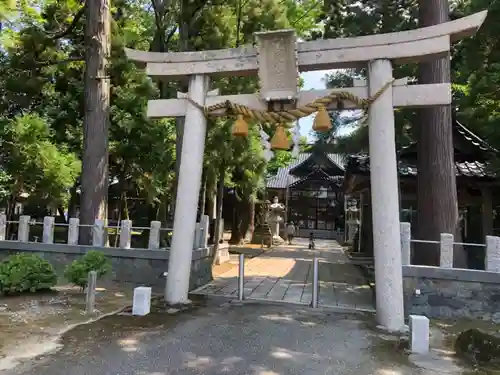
278,267
283,318
128,345
383,371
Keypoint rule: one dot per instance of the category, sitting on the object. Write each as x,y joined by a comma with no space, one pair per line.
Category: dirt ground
33,323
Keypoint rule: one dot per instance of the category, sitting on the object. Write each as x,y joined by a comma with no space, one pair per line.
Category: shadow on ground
219,337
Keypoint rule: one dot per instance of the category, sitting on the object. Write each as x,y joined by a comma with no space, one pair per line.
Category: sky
313,81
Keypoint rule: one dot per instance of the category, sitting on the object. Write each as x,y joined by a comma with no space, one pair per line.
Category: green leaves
34,164
26,272
77,271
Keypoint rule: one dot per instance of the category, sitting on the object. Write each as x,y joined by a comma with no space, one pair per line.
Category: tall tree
437,207
94,179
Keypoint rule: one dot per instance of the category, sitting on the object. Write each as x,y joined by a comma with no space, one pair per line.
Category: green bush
77,272
26,273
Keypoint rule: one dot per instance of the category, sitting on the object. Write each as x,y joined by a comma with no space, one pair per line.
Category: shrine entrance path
285,274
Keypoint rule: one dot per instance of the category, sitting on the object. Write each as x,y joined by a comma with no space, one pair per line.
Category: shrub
26,273
77,272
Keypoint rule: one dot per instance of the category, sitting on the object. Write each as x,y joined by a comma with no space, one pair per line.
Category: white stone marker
188,192
419,332
23,231
73,231
48,229
446,250
385,200
142,301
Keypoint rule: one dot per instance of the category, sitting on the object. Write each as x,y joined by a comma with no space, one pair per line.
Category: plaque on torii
276,59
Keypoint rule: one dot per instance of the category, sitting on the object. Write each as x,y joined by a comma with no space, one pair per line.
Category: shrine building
311,190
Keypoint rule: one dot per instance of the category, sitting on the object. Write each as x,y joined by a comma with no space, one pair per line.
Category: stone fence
131,266
100,231
448,292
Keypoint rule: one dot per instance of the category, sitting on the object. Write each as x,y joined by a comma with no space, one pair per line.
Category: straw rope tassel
240,127
322,122
280,139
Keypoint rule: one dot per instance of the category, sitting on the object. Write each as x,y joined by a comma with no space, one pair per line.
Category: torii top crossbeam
277,58
412,45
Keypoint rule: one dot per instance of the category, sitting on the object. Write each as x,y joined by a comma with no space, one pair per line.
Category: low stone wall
131,266
451,293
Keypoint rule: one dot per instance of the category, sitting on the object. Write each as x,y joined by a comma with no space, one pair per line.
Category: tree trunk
237,222
218,215
437,208
96,120
60,213
72,205
11,206
251,217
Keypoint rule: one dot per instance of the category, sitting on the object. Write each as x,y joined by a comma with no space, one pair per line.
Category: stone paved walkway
285,274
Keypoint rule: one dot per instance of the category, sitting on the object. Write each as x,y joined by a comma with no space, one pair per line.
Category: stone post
405,244
90,296
73,231
3,226
98,233
492,261
126,234
154,235
197,237
48,229
205,230
446,250
385,200
188,192
23,231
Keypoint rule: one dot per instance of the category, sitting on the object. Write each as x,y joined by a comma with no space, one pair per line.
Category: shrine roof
284,178
468,146
361,164
471,156
319,175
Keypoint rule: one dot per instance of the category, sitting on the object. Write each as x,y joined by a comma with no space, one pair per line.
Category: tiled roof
284,178
459,130
319,175
473,138
361,164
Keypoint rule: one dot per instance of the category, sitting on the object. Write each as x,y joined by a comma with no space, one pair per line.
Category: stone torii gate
276,59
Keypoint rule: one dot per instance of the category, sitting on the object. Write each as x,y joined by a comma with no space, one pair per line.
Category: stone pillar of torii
277,58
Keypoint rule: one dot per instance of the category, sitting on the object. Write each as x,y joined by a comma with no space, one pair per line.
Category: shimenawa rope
280,117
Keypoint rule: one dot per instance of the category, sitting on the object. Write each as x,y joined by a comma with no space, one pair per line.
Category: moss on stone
478,346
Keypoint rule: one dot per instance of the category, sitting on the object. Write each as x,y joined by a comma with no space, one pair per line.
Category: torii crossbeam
276,59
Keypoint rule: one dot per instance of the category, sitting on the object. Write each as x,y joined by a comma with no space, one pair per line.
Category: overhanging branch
71,26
